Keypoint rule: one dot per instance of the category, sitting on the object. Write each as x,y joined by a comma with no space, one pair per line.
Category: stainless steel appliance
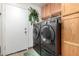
36,37
50,37
47,37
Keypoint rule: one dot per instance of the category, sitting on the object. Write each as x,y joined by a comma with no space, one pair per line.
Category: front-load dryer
50,37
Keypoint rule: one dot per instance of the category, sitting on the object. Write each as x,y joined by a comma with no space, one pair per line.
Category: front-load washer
36,37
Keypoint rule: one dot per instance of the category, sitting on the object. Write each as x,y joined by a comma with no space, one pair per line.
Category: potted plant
33,16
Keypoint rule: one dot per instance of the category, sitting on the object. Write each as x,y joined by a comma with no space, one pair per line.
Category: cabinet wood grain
55,8
70,49
70,35
70,8
50,9
43,11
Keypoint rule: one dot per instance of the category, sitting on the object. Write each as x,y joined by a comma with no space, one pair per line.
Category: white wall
0,25
1,30
30,27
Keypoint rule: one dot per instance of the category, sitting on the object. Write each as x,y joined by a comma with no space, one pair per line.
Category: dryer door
47,40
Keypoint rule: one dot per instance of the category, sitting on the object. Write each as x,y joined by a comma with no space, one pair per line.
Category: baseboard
16,52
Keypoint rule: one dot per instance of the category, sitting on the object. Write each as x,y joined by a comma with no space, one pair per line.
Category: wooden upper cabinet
70,8
43,12
55,8
50,9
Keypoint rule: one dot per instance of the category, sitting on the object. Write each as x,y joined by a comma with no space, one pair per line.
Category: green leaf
33,16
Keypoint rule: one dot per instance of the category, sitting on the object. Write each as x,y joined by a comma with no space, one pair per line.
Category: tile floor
22,52
18,53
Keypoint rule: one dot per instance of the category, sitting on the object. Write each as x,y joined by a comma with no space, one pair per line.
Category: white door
16,24
0,28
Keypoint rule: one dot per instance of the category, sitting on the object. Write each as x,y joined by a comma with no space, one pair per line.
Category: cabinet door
70,8
52,8
66,30
48,10
70,35
55,7
43,11
70,49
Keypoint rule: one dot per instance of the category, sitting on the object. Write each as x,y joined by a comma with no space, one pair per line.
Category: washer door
36,34
47,34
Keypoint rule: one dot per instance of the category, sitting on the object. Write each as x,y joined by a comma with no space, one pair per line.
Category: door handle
25,32
0,13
